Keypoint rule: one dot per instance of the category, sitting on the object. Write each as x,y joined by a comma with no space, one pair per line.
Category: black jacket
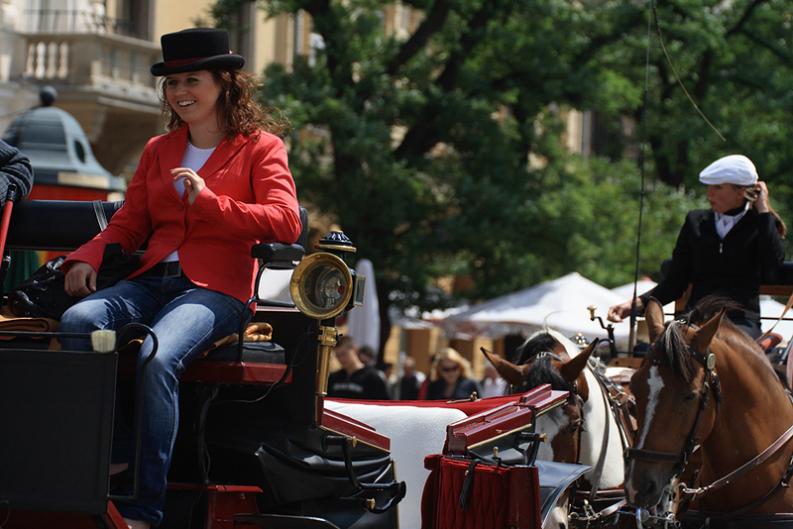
462,390
750,254
14,168
366,383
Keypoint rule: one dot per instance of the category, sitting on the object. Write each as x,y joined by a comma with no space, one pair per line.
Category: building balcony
102,79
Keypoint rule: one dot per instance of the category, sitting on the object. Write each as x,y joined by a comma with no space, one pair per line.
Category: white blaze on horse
706,384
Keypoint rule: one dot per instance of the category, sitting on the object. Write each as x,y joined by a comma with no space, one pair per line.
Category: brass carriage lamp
323,287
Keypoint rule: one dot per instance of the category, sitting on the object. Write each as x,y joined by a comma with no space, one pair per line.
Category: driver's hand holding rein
728,250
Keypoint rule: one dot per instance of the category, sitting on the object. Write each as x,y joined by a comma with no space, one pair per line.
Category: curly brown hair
239,111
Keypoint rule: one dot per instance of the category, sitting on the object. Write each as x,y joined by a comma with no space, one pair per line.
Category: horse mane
710,306
543,372
672,350
539,342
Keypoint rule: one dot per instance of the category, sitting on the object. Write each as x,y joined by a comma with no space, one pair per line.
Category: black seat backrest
55,224
66,224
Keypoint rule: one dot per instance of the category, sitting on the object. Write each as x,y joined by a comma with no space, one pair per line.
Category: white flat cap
734,169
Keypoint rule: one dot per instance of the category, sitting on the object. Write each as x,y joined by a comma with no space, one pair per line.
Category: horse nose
649,493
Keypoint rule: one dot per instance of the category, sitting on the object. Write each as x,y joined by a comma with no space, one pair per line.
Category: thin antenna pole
642,141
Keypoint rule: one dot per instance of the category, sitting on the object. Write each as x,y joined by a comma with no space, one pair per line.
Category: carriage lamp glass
322,285
357,294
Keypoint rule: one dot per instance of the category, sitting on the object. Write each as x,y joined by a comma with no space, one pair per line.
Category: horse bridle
575,397
681,459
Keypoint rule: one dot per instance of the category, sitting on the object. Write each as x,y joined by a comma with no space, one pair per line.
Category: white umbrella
363,323
560,304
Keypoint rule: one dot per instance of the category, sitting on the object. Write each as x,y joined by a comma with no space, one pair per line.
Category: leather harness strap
598,471
753,463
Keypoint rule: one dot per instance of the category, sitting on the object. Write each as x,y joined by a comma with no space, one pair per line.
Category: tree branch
420,138
780,54
599,42
418,40
744,18
327,24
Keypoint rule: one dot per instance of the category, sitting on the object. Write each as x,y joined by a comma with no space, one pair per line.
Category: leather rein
711,382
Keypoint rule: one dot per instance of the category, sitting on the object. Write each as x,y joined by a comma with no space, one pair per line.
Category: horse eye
691,396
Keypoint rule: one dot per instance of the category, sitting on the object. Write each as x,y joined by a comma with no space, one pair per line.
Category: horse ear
571,369
706,332
654,316
512,373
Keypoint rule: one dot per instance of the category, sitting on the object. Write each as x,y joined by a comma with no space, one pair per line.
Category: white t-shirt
194,158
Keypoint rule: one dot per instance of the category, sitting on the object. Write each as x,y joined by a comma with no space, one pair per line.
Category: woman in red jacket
202,196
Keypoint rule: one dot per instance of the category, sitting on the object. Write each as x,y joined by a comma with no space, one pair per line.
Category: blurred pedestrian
411,381
355,380
451,377
367,355
492,383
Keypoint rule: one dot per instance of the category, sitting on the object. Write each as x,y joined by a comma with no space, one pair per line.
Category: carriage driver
203,195
728,250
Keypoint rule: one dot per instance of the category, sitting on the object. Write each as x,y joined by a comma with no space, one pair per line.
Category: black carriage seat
62,225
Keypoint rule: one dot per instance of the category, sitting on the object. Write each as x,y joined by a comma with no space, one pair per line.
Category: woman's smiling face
193,96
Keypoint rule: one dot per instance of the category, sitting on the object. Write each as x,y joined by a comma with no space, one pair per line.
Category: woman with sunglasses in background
451,377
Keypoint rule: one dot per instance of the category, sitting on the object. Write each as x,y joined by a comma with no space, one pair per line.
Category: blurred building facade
97,54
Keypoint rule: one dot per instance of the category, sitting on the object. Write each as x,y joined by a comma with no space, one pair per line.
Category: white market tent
770,308
560,304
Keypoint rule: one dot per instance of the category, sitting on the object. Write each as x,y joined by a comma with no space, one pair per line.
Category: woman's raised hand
761,203
80,280
193,184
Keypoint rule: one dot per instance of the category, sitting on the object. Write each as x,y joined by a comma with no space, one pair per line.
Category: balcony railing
111,64
78,21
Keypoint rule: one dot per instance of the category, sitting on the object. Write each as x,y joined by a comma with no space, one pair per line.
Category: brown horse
705,383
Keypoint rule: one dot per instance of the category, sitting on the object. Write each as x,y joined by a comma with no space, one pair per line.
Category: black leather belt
167,269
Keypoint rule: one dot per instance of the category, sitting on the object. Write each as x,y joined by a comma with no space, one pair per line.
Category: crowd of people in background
450,378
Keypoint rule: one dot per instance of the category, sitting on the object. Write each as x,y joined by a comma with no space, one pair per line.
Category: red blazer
249,198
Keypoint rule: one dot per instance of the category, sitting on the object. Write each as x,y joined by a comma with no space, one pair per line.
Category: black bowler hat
196,49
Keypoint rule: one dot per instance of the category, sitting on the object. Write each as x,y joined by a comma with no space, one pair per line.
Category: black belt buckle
165,270
171,269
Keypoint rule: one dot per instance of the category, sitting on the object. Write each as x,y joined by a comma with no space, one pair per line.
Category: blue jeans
186,320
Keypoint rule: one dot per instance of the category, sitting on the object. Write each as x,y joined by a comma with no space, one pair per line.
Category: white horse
600,434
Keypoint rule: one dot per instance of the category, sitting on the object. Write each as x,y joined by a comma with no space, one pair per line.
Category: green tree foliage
442,153
736,61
